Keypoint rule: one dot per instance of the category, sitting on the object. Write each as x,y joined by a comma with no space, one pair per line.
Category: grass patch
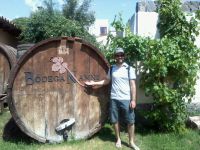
104,140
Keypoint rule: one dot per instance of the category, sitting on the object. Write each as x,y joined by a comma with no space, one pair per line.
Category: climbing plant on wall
169,64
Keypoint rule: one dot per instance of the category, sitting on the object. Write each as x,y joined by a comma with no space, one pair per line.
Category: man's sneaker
133,146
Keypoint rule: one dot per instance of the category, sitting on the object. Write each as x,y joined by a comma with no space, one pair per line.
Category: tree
49,6
46,23
81,14
22,22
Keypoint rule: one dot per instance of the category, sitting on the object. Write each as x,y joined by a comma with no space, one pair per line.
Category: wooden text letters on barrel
7,61
42,91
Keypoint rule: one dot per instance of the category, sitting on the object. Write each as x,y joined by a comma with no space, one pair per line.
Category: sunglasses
119,55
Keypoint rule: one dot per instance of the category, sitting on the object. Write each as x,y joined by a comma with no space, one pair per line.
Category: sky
104,9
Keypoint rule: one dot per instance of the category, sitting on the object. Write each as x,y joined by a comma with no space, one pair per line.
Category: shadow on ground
107,133
12,133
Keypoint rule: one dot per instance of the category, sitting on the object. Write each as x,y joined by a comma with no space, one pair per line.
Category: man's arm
133,92
101,83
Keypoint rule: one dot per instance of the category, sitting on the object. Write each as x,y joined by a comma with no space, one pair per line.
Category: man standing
123,96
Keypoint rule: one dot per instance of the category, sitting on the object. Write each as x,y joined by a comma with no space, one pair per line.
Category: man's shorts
121,108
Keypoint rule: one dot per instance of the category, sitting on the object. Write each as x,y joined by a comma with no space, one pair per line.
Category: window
103,30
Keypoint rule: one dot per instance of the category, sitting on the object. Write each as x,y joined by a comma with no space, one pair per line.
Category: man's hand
90,83
132,104
97,83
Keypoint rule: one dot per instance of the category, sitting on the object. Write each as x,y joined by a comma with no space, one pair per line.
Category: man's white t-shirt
120,89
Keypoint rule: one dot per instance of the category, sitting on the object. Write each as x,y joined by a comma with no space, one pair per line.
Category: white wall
146,24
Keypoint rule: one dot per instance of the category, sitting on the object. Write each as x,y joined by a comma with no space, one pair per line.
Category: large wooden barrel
7,61
43,93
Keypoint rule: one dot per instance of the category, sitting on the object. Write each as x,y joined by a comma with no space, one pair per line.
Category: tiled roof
8,26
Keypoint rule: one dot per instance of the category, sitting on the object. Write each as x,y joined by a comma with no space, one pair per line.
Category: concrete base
194,122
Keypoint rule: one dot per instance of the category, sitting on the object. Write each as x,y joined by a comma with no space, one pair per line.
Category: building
8,32
100,30
144,21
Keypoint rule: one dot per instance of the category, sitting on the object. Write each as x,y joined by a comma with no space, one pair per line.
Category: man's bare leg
117,134
131,134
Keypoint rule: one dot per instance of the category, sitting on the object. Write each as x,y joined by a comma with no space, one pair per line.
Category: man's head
119,55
